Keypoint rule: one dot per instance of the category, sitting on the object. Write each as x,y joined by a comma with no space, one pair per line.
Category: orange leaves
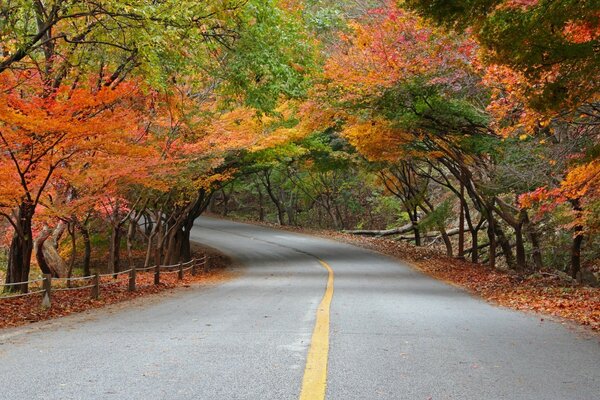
376,139
49,134
581,31
583,181
68,149
393,46
581,185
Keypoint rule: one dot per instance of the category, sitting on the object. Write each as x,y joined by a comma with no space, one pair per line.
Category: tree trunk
71,230
261,203
520,248
385,232
21,248
505,245
492,239
48,258
131,230
87,253
532,235
114,257
274,199
415,224
474,246
577,241
173,253
186,246
461,223
447,241
58,233
160,238
576,255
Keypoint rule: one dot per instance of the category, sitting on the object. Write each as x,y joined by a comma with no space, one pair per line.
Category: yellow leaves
582,181
377,139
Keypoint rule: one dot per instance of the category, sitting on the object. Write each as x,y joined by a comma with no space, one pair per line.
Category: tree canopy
468,123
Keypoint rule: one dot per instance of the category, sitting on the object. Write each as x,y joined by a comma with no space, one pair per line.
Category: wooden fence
48,285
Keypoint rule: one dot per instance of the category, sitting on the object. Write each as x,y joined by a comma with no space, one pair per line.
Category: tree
43,137
552,43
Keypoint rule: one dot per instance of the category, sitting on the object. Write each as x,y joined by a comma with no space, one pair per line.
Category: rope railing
68,289
14,296
22,283
146,268
73,279
97,282
115,274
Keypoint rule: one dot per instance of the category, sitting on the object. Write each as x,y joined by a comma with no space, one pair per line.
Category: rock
588,278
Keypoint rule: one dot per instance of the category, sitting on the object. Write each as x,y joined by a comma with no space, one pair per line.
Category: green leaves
271,58
553,42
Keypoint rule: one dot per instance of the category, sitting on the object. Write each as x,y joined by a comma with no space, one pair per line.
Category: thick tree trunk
415,226
19,254
57,234
576,255
47,256
186,246
19,262
38,247
174,246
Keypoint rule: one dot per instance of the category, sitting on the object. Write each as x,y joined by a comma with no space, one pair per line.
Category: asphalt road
394,334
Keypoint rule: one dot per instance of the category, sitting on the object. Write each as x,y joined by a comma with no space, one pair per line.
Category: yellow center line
315,372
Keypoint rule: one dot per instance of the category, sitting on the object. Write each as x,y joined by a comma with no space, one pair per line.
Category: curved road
393,334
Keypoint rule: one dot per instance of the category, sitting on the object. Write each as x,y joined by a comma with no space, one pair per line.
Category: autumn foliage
474,128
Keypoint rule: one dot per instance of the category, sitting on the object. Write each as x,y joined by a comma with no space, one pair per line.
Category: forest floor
544,293
24,310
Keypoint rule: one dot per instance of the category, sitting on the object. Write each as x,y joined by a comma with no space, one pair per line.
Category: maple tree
48,137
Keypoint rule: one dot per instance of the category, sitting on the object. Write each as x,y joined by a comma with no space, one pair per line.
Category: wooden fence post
180,273
157,275
194,266
132,274
47,285
96,288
